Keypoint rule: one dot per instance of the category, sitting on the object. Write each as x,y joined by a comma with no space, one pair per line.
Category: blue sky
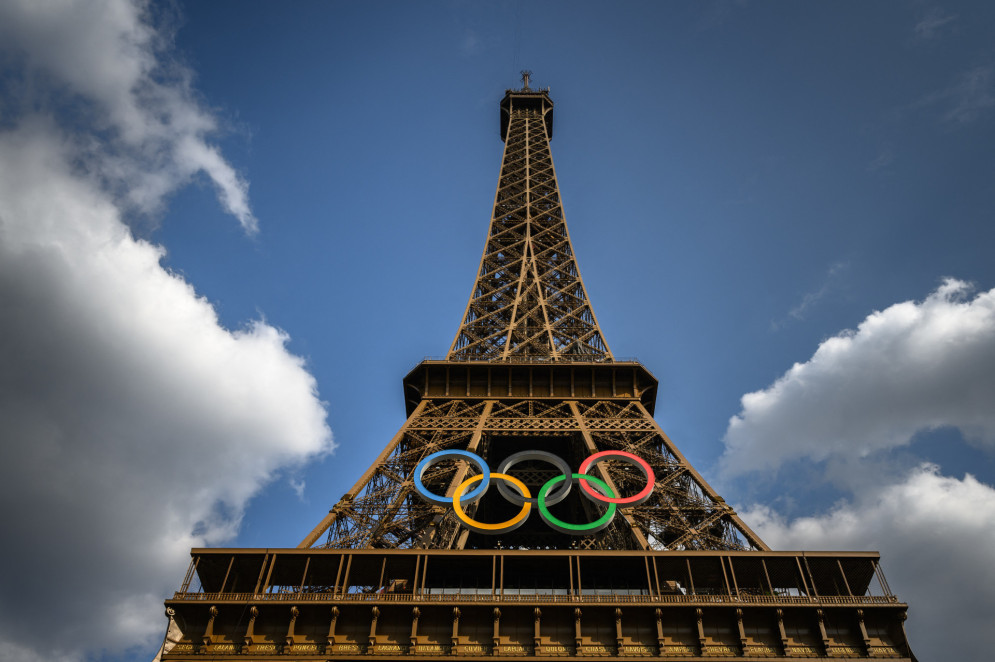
790,200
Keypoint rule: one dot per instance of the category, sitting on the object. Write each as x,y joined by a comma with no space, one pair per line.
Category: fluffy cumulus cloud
849,415
935,534
105,55
133,424
913,366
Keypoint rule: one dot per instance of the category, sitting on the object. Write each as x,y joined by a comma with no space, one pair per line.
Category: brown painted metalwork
476,604
529,301
529,361
385,573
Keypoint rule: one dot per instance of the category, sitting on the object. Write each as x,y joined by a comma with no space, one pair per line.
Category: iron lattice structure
528,314
389,575
529,301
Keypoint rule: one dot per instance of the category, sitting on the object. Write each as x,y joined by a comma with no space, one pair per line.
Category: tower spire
529,302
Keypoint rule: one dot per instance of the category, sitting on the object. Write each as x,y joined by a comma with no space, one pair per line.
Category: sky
229,229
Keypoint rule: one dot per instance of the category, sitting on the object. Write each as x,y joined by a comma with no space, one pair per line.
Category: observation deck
477,604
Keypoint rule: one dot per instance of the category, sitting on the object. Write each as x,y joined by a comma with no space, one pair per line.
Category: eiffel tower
601,540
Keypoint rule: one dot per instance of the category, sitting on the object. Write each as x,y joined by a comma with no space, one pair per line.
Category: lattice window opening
377,495
698,535
492,315
507,232
564,341
694,491
509,262
502,254
498,273
497,298
513,206
568,298
481,334
583,337
551,261
568,325
786,579
515,164
542,202
561,325
495,273
515,184
511,176
498,269
513,181
565,299
673,496
568,281
493,296
733,539
605,409
561,258
487,328
507,223
512,199
454,408
558,269
509,181
650,449
377,484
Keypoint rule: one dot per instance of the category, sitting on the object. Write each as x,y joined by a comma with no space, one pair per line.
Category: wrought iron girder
549,312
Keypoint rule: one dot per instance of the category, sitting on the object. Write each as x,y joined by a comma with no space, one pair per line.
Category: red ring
638,498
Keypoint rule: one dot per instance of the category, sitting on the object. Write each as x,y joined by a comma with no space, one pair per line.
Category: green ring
566,527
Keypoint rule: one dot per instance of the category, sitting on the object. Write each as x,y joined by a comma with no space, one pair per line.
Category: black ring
558,495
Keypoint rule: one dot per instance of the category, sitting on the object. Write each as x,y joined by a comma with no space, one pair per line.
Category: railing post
185,586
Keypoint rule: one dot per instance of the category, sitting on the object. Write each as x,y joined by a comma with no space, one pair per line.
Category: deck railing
538,598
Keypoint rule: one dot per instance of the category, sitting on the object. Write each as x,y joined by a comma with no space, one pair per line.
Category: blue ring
431,497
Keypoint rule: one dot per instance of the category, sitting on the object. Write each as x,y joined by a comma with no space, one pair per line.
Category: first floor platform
325,604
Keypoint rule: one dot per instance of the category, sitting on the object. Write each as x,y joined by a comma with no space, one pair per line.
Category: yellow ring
480,527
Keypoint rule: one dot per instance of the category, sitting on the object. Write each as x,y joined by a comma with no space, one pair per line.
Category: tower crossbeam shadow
530,505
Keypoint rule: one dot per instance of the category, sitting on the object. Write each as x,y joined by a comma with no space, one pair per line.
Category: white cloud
970,96
134,426
812,298
882,161
470,43
839,418
107,54
935,534
931,23
911,367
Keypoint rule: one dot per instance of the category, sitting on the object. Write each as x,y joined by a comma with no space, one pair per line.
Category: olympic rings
551,493
503,527
628,458
564,527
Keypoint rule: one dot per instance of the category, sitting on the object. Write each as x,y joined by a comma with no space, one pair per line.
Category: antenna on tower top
525,78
